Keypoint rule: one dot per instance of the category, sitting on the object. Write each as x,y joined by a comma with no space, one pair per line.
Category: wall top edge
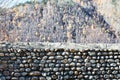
48,45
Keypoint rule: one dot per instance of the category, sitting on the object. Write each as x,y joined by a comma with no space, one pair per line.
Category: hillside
57,21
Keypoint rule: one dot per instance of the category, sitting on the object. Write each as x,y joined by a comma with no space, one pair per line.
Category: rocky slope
78,21
110,9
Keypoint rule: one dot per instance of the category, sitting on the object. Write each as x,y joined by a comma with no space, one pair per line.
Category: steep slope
110,9
56,21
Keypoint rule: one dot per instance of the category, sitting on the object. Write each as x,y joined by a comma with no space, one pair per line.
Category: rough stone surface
81,62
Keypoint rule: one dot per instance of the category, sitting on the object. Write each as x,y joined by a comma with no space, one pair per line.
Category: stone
24,61
22,78
59,57
54,77
44,74
71,72
92,61
65,61
113,64
24,73
6,73
44,58
91,53
55,69
13,58
72,64
69,60
78,69
46,69
42,78
1,54
34,78
35,73
77,57
26,65
22,69
2,78
14,78
118,75
21,65
27,69
42,61
18,61
51,54
8,77
12,54
51,65
48,78
51,57
17,74
36,61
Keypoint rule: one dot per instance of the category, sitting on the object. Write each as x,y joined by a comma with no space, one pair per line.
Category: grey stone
55,69
12,54
2,78
44,74
17,74
34,78
24,73
22,78
92,53
59,57
118,75
71,72
35,73
113,64
46,69
27,69
92,61
36,61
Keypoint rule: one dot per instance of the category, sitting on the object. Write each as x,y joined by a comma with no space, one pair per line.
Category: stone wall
59,61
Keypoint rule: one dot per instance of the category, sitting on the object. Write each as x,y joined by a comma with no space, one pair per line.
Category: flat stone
77,57
35,73
21,65
6,73
51,57
1,54
118,75
17,74
55,69
59,57
27,69
36,61
12,54
22,78
24,73
34,78
92,53
72,64
14,78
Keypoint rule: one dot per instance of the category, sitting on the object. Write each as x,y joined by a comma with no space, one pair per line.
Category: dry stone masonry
59,61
